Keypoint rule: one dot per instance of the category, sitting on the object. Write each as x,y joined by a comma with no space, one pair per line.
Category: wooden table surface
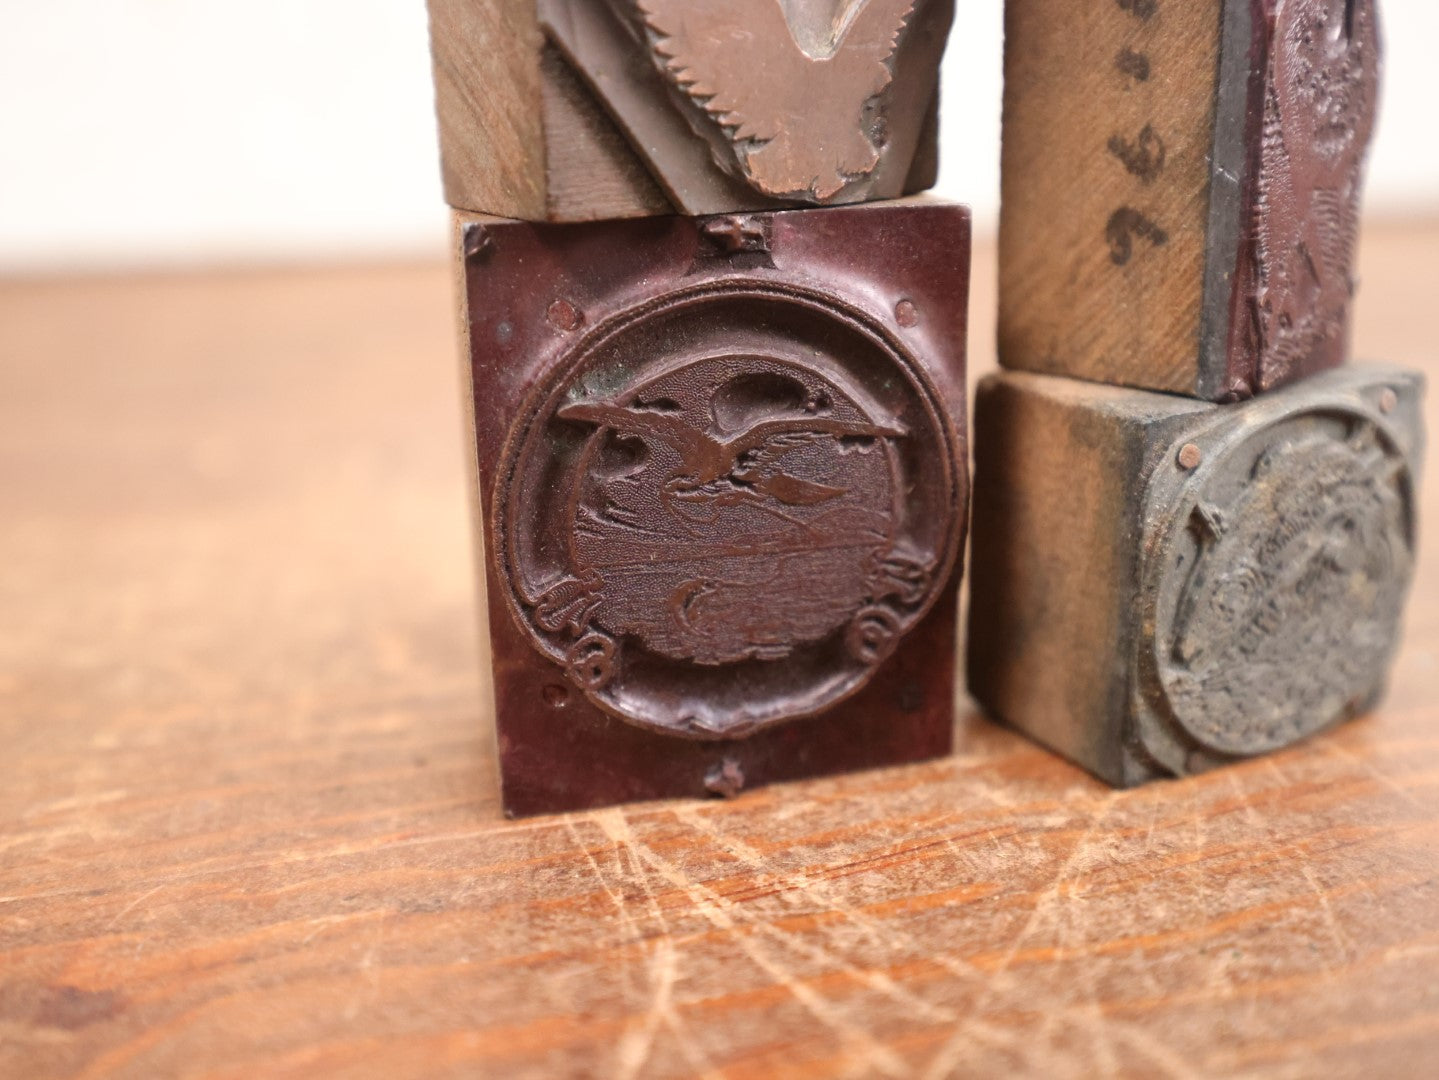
248,816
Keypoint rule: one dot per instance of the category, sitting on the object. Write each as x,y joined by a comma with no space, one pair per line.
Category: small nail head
1388,400
1190,456
906,314
726,779
563,315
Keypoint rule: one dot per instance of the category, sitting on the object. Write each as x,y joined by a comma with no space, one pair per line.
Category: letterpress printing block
723,491
578,110
1181,188
1161,585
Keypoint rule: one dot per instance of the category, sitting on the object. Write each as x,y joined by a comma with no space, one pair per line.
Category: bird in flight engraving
743,467
795,118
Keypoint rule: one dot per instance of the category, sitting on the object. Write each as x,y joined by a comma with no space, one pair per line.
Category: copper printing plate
1315,108
726,487
763,103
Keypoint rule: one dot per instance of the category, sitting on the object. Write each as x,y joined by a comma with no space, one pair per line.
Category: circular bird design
724,511
732,508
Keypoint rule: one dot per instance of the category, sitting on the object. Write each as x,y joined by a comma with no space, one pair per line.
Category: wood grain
249,821
590,172
488,94
520,135
1087,84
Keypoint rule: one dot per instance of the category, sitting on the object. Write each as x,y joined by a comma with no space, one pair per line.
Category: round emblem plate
725,507
1281,581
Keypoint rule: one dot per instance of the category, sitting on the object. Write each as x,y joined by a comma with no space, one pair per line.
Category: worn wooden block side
590,171
1163,586
1108,126
1056,548
487,99
468,419
1181,189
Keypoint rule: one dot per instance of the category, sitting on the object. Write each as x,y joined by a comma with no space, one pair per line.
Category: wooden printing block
723,493
1161,586
1181,188
579,110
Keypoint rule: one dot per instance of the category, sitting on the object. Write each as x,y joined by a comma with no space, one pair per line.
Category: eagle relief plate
726,507
759,103
724,490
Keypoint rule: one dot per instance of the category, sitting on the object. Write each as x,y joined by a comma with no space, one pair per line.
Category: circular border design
1173,498
590,661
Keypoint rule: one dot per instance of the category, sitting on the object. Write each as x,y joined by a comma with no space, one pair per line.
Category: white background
165,132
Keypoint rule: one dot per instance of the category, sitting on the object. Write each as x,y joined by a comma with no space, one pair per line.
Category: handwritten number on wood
1125,224
1142,9
1144,157
1133,64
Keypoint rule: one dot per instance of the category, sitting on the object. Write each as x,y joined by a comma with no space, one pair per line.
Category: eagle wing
760,467
860,66
771,440
757,455
669,429
711,48
804,130
776,447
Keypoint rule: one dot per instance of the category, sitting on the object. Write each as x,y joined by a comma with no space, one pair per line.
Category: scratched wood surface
248,823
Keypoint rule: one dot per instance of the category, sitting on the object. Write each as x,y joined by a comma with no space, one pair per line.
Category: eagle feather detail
799,132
